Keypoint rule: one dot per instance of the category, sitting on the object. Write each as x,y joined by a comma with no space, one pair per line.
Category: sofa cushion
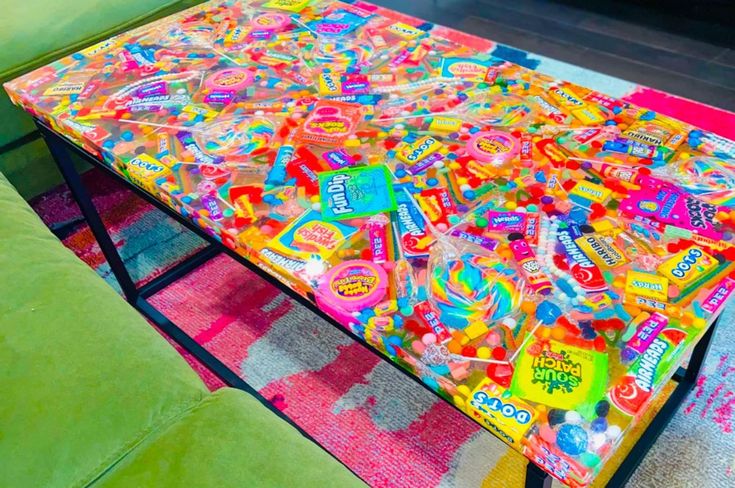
32,170
36,32
83,377
229,440
14,122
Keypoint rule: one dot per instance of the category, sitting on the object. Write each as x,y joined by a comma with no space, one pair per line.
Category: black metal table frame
61,150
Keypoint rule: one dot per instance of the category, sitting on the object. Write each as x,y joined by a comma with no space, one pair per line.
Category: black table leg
537,477
699,354
62,157
687,379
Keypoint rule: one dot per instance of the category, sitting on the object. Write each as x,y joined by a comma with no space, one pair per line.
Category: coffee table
542,256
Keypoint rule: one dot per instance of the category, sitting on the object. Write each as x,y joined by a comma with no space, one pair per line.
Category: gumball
572,439
547,312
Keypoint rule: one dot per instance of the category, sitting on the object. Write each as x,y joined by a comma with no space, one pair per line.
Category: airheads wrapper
583,269
411,226
351,287
561,376
633,390
493,147
361,191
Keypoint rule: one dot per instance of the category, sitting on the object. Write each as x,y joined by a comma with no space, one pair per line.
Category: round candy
236,136
500,110
599,424
613,432
472,288
573,417
494,147
269,21
556,416
602,408
230,79
589,459
547,312
351,287
572,439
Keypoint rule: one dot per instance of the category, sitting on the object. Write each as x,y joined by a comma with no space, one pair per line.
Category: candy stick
403,271
219,197
162,126
406,117
296,20
378,237
459,357
525,340
234,61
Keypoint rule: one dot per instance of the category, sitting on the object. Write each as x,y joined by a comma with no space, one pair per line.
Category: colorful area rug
387,429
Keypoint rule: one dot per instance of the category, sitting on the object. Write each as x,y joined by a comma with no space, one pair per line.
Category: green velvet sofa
92,395
37,32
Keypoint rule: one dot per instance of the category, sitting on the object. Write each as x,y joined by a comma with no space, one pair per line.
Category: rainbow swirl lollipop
473,288
342,52
712,178
504,110
240,136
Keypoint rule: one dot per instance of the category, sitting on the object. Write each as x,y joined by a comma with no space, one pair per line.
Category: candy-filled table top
538,253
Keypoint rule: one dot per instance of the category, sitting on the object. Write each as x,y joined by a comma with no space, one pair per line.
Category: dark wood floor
686,51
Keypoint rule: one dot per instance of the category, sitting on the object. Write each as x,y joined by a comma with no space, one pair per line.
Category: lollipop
473,288
238,136
710,177
505,110
494,147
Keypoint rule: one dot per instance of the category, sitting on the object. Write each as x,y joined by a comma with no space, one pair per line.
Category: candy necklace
412,85
566,289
